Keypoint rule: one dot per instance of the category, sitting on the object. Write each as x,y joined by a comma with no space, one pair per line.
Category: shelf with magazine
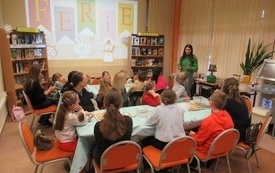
147,52
22,48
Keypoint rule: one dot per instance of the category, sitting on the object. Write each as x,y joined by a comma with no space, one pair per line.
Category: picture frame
143,40
160,40
154,41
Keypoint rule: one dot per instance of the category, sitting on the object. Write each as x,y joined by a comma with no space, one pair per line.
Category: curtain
160,20
219,31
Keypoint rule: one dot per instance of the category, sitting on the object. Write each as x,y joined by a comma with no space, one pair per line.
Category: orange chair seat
243,145
51,108
156,153
202,156
54,153
124,169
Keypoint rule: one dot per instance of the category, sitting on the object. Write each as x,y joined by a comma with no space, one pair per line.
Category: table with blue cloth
192,119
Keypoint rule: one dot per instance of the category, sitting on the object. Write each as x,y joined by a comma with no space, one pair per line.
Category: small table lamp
212,78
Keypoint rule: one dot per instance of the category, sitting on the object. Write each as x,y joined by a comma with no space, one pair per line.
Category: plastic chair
58,105
177,152
95,80
38,112
246,148
222,146
135,97
119,157
41,158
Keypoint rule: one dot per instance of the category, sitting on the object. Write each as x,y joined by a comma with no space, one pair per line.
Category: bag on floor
42,142
251,136
17,113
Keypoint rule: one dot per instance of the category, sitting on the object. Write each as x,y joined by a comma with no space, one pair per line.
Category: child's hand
152,92
187,99
76,107
96,108
89,114
191,133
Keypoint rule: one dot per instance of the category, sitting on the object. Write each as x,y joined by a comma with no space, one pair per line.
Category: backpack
251,136
17,113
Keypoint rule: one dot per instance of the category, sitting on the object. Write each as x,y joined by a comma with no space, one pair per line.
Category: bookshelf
147,52
19,50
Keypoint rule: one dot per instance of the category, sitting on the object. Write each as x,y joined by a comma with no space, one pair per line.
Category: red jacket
210,128
148,99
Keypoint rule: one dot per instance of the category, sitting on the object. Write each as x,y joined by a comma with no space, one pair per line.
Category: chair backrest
263,129
248,104
178,149
121,154
58,105
95,80
224,144
134,96
28,101
27,139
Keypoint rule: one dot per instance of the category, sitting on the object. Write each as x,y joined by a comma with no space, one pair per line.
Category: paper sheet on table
99,116
194,107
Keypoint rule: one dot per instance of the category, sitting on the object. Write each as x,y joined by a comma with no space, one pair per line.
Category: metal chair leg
248,165
258,164
228,164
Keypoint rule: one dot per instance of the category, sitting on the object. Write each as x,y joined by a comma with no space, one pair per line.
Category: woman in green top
189,64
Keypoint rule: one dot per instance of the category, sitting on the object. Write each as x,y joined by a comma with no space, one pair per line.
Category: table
192,119
209,86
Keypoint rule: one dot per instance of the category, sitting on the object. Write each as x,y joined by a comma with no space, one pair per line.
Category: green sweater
187,63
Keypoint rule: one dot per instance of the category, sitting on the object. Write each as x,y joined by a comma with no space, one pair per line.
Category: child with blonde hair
69,115
179,87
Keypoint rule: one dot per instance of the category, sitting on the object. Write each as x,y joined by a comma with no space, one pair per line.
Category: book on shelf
27,38
13,39
137,51
38,39
135,40
143,40
13,53
154,41
143,51
133,51
29,53
160,51
149,52
160,40
155,51
37,52
148,41
20,39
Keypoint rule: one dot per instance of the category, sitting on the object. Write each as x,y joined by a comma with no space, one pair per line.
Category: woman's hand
50,90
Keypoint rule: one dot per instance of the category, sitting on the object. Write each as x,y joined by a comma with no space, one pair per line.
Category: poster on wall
84,29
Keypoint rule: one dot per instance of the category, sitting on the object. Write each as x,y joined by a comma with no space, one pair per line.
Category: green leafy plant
254,58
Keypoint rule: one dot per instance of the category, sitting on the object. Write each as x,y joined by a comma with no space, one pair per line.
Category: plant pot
246,79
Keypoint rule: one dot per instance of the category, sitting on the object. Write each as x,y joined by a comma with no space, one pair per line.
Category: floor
14,158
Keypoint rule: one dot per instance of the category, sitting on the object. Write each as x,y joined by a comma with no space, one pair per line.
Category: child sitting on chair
168,118
150,97
218,121
69,115
179,88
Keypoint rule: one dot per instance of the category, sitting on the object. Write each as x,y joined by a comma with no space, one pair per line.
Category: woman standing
189,64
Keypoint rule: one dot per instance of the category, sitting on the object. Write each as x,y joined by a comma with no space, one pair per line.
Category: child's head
182,78
168,97
142,76
149,86
113,99
69,98
57,77
218,100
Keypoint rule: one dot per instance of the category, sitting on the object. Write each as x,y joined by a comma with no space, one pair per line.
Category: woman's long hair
156,74
119,81
231,89
190,56
32,76
104,86
113,125
68,98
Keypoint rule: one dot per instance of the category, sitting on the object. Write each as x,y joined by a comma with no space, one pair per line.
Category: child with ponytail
69,115
114,127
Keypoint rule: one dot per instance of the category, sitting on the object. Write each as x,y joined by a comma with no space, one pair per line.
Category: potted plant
253,59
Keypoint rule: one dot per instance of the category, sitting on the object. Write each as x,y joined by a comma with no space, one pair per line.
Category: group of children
168,117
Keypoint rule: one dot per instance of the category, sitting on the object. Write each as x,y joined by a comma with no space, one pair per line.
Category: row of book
153,41
26,39
26,53
146,62
149,72
21,67
136,51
